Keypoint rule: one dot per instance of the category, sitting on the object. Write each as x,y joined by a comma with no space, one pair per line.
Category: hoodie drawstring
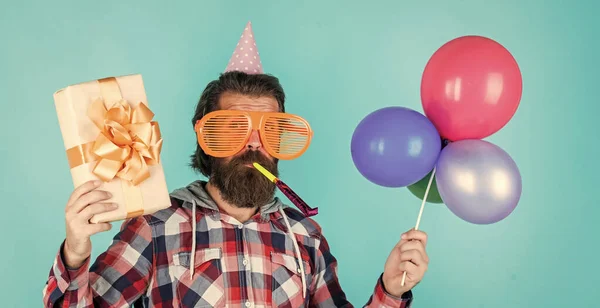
290,232
193,256
297,249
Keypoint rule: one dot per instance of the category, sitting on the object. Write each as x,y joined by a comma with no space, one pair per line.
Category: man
227,242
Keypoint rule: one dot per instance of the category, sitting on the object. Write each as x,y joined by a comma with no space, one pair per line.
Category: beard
244,186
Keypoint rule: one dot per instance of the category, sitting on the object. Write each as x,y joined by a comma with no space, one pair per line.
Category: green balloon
418,189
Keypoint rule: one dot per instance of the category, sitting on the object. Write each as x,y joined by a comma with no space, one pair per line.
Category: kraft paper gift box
109,135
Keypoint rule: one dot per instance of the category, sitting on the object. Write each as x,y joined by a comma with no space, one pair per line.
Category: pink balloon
471,87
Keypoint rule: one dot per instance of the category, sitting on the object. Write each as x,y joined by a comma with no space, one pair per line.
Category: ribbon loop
128,143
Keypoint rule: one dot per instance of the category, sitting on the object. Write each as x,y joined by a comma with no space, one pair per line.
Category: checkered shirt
236,265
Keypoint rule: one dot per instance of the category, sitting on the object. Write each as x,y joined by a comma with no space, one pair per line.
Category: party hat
245,56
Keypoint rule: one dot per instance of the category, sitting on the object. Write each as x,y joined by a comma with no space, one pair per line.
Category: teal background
338,61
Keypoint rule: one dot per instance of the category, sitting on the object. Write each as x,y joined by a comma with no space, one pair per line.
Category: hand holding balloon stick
288,192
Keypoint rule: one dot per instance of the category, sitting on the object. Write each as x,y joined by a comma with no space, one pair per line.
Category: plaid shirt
235,265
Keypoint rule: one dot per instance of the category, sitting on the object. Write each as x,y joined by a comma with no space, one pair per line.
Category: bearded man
228,241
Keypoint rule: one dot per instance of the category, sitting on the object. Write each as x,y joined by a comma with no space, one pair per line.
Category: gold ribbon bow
129,141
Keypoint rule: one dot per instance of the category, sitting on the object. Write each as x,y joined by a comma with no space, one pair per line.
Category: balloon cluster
471,87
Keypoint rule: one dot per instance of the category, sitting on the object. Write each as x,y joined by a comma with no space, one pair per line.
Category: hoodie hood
195,193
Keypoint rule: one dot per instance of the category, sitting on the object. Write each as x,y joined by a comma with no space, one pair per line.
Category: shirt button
248,304
241,226
245,261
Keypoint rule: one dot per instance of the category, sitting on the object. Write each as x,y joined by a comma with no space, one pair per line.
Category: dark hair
237,83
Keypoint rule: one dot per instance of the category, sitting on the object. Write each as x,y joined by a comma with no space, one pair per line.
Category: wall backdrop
338,61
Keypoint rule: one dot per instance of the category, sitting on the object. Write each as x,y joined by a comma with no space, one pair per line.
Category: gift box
109,135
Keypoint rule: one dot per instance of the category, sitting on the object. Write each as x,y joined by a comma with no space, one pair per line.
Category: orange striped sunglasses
224,133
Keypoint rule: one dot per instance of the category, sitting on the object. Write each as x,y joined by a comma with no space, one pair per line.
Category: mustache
254,156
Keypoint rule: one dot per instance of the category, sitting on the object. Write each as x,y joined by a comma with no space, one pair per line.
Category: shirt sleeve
326,291
118,277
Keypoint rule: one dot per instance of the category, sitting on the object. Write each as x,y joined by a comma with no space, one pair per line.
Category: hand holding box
109,134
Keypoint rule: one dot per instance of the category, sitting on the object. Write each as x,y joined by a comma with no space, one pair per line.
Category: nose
254,141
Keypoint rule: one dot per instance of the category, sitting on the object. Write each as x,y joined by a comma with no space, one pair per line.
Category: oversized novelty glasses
224,133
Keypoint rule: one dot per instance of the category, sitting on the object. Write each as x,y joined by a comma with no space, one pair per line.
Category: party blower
288,192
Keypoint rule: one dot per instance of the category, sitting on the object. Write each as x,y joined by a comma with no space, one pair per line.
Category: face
239,183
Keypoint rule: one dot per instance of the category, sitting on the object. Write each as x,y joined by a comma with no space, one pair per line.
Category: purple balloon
478,181
395,146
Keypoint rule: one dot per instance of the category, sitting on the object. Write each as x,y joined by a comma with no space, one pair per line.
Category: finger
97,228
409,268
415,235
415,245
413,256
411,245
404,237
90,198
96,208
81,190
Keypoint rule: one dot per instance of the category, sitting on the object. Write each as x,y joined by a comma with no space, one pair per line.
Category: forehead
234,101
